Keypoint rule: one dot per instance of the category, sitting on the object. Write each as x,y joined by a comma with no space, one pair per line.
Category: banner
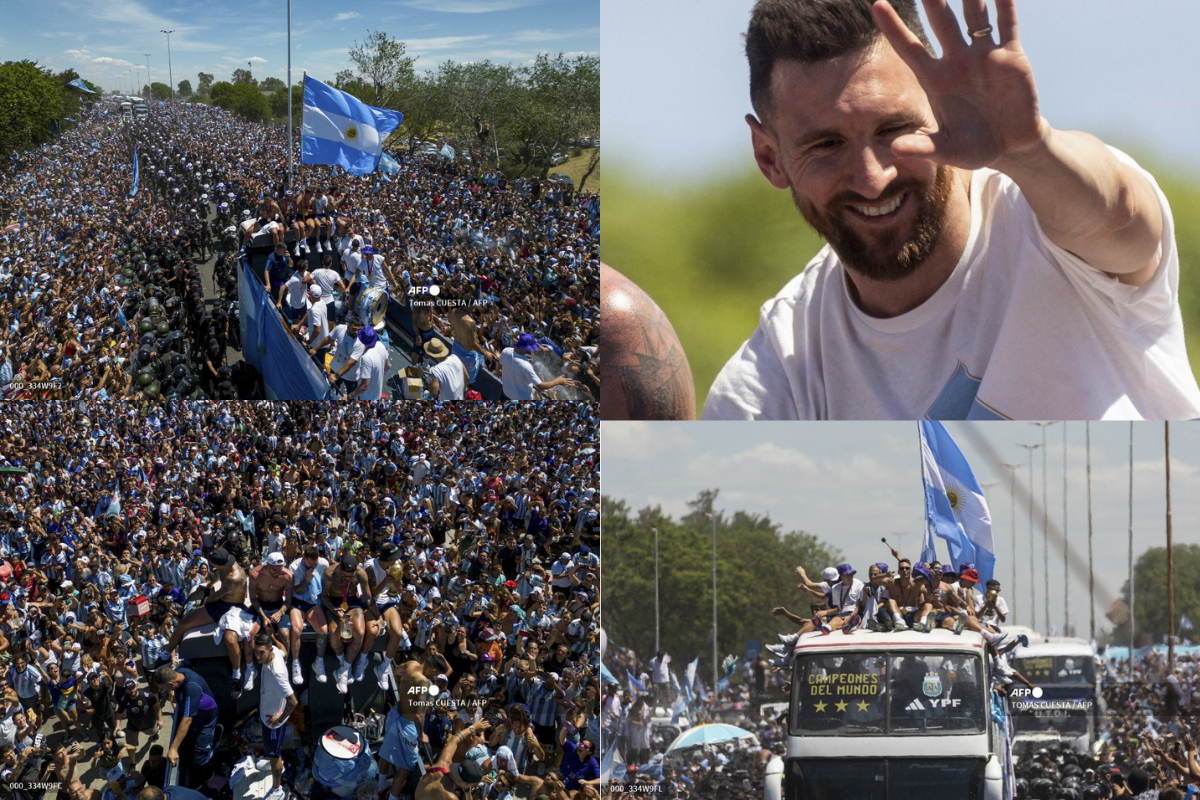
133,191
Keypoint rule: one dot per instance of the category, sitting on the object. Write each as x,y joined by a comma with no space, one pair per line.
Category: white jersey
991,616
274,688
325,280
1022,329
343,349
373,367
845,598
375,574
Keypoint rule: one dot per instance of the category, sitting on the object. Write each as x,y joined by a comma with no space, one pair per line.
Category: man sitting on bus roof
907,596
844,599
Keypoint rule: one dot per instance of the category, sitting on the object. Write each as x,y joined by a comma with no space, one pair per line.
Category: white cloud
440,42
345,15
255,60
78,55
469,6
114,62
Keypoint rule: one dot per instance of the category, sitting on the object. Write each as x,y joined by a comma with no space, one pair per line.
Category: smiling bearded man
980,264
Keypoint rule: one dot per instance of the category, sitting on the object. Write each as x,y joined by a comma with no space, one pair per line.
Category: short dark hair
263,639
164,675
810,31
904,561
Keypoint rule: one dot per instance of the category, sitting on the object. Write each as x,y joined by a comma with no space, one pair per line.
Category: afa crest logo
932,685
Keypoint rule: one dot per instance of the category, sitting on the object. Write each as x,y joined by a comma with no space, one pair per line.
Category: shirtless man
307,574
442,780
228,584
307,216
388,602
270,602
346,595
907,596
467,342
424,326
405,725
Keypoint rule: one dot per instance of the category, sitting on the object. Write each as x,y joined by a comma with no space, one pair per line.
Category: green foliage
755,563
32,98
384,67
160,91
204,83
184,89
279,104
711,253
244,77
1150,594
272,84
243,99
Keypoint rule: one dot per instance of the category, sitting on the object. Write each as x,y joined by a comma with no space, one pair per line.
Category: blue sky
102,40
849,483
675,82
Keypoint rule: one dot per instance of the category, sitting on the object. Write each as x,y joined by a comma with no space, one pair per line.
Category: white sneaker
383,675
278,793
342,676
360,666
319,669
248,684
297,677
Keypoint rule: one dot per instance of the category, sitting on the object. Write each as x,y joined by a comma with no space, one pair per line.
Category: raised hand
982,92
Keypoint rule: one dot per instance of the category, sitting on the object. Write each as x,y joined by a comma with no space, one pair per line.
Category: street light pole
289,91
170,70
1045,529
657,643
713,518
1012,513
1032,583
148,81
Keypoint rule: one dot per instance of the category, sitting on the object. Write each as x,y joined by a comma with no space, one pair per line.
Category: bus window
838,695
886,779
936,693
1060,670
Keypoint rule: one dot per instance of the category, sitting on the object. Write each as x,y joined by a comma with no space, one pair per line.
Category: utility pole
1012,515
1170,559
1131,552
1032,583
716,666
148,81
1091,574
1045,530
1067,630
170,69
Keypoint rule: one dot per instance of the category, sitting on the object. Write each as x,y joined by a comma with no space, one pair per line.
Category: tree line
36,102
755,558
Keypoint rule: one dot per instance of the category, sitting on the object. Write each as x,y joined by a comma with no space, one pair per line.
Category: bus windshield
886,778
1050,670
872,694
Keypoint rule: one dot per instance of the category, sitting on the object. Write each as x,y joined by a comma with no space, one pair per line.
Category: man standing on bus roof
981,264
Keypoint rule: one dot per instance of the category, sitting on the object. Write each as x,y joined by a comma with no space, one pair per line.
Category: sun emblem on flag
352,133
955,494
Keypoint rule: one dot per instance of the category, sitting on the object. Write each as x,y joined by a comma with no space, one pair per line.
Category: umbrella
713,733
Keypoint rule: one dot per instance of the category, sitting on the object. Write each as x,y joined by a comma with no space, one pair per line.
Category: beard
885,255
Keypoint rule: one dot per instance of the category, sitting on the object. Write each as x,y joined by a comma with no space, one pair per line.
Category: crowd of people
86,261
466,536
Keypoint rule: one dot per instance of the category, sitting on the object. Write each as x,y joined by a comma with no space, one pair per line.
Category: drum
372,308
342,761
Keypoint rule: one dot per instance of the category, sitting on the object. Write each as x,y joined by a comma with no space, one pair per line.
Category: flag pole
1170,559
289,91
1131,551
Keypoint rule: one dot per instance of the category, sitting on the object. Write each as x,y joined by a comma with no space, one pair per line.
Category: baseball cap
845,569
314,291
220,557
349,562
829,574
274,559
466,774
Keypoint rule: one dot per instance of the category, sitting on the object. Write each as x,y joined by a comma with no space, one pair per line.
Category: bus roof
941,639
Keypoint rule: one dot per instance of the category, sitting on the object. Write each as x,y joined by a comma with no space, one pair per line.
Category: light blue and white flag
636,686
612,764
447,152
114,506
338,128
955,508
690,678
79,84
388,165
134,189
1185,624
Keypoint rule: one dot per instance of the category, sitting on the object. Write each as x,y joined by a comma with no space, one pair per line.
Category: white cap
274,559
830,574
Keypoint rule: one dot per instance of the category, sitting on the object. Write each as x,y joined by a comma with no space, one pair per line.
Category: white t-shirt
296,290
518,375
325,279
660,669
992,616
343,348
1022,329
351,259
318,322
274,687
373,367
376,277
845,598
451,377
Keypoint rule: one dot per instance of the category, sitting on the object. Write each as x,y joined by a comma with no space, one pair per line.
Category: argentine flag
338,128
955,509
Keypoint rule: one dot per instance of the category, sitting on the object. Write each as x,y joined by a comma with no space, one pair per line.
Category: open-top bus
888,716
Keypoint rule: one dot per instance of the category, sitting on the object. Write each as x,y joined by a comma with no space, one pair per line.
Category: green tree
184,89
755,562
242,99
204,83
244,76
160,91
30,101
491,93
272,84
562,102
382,63
279,105
1150,594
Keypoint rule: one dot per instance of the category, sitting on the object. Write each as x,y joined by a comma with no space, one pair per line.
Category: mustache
893,190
